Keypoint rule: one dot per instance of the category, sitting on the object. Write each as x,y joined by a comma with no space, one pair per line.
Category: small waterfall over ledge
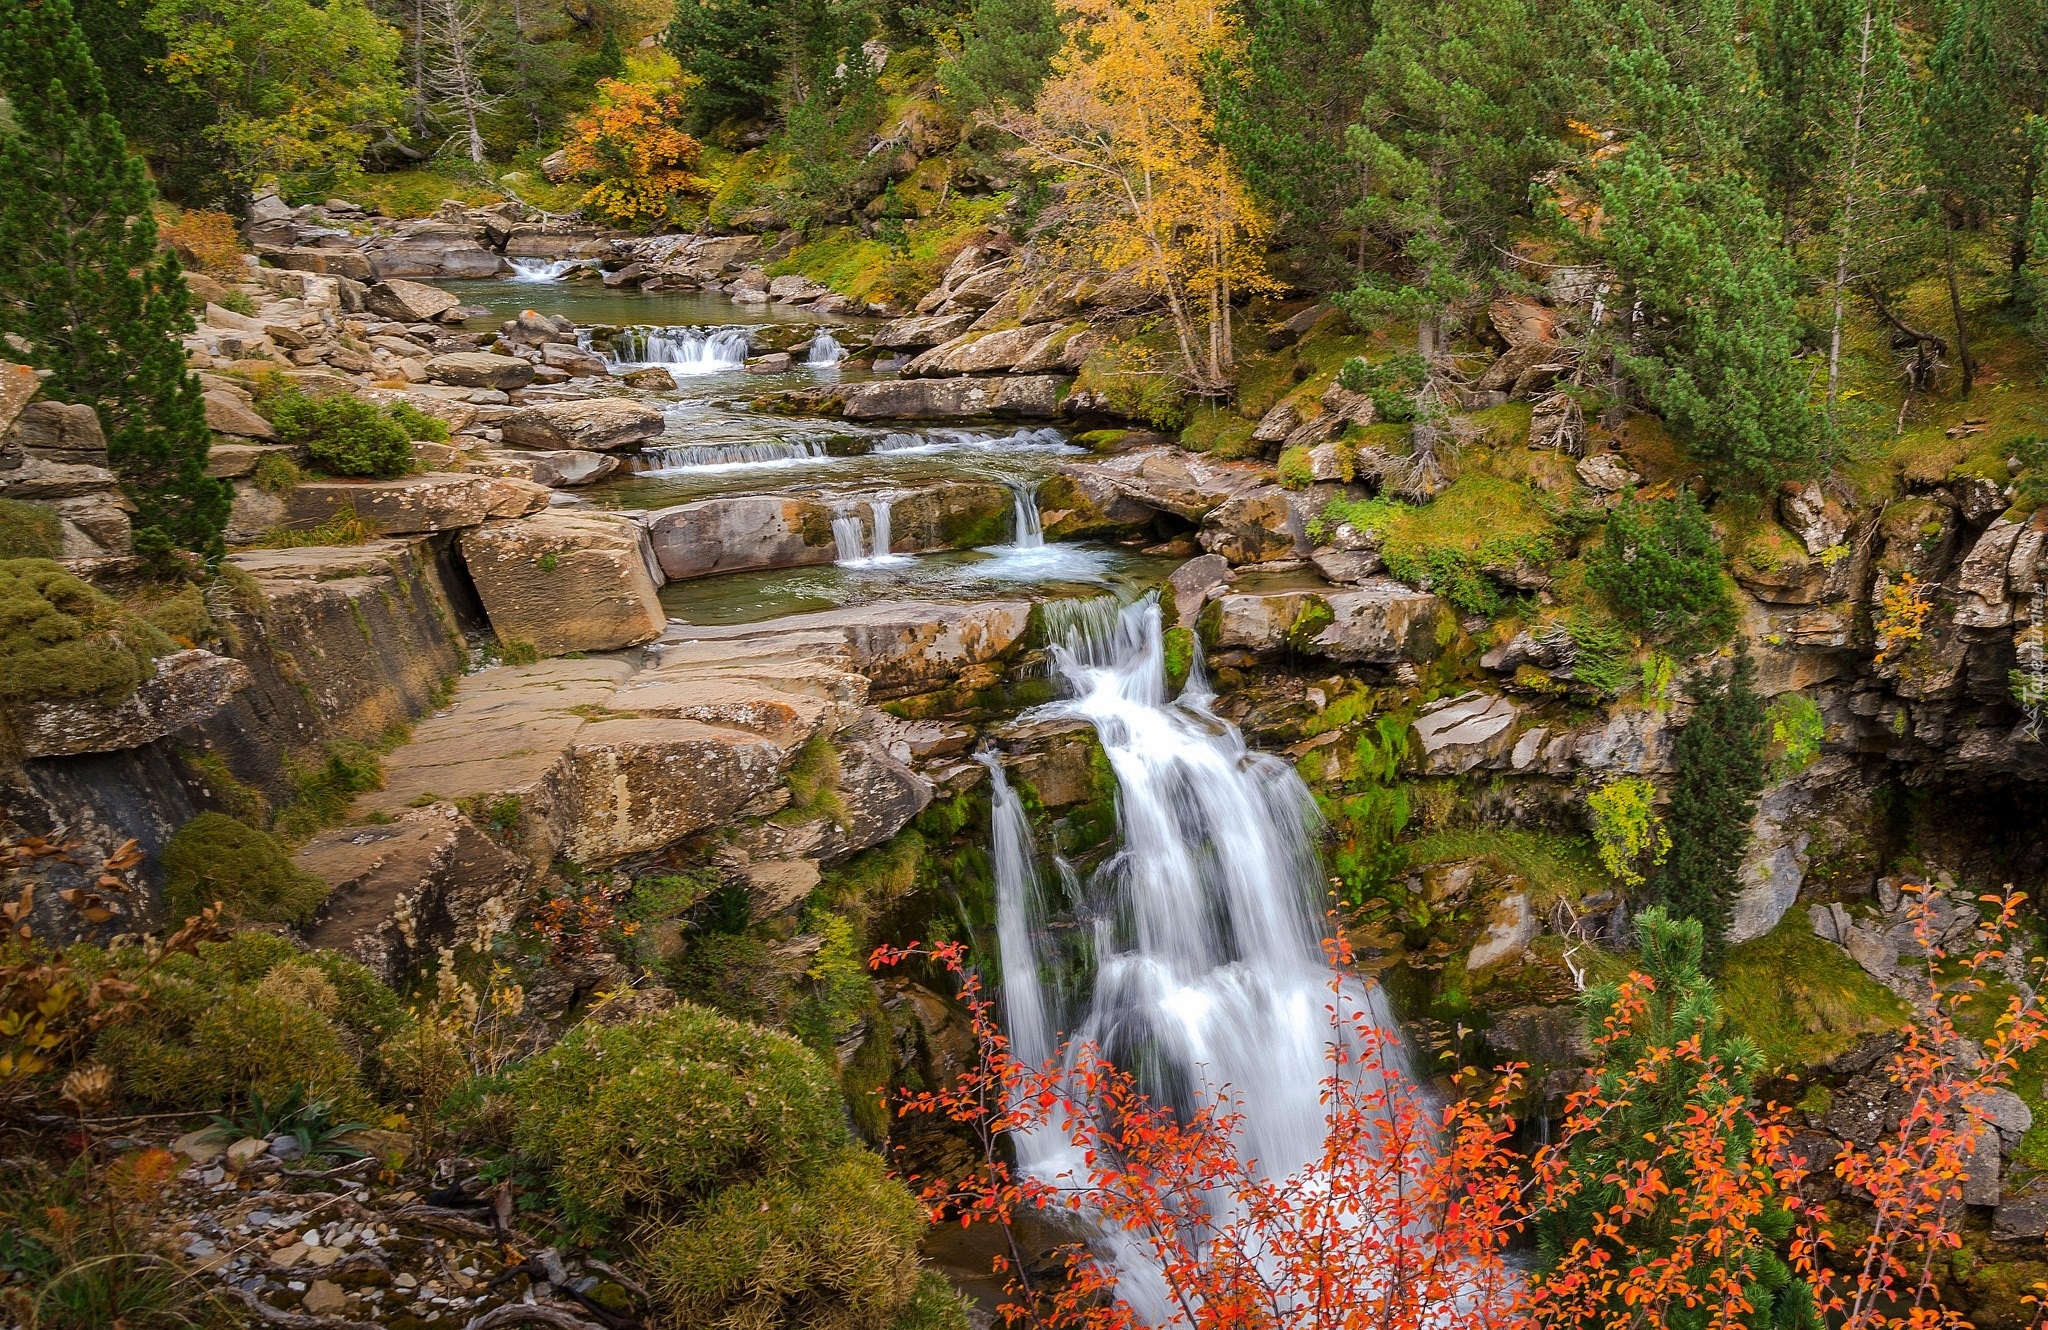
1209,975
679,350
826,351
859,549
545,270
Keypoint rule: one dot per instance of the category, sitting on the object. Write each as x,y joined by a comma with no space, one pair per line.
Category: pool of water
588,300
1048,572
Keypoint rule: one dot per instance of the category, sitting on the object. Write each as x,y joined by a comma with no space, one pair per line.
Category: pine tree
1006,50
1699,1066
1720,760
83,284
735,48
170,125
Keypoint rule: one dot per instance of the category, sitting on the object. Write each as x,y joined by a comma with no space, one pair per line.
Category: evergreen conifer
1721,769
83,286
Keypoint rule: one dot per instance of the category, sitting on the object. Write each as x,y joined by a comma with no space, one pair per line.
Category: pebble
259,1218
324,1298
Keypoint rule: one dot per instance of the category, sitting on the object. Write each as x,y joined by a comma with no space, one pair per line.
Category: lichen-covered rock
408,505
408,302
1381,622
1257,526
1169,480
921,331
1457,734
1509,930
481,369
401,891
976,353
565,581
185,688
557,468
597,424
1029,396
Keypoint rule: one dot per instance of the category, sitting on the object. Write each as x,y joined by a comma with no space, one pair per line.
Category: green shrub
344,435
250,872
323,788
62,640
1661,569
417,424
838,1248
275,473
1296,472
29,531
1390,383
182,616
1797,730
651,1115
249,1016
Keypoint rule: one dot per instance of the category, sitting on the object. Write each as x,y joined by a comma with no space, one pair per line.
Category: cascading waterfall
826,352
1209,976
1029,529
853,550
679,350
699,457
545,270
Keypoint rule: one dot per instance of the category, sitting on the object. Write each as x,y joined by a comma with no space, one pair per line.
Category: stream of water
1208,976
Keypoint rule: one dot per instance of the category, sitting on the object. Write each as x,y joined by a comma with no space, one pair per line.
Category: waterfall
545,270
848,536
680,350
948,440
702,457
1020,919
1029,531
825,351
1209,973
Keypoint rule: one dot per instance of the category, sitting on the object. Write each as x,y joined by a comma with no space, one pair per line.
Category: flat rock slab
406,506
566,581
557,468
1035,397
481,369
599,424
1460,733
1170,480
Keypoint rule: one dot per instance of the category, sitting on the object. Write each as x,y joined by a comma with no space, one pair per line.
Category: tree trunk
1845,223
2023,224
1955,304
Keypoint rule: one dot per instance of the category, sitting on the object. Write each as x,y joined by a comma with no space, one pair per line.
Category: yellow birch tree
1125,121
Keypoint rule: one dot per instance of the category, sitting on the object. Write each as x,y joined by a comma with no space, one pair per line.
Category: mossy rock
652,1116
30,531
62,640
249,872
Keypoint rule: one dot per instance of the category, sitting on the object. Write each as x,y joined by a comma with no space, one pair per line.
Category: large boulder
1170,480
566,581
430,249
406,506
1457,734
408,302
228,414
977,353
402,890
348,263
558,468
1258,526
1032,396
735,533
921,331
185,688
599,424
1382,622
481,369
556,240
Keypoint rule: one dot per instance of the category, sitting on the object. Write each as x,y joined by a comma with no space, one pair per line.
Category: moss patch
1801,999
29,531
62,640
249,872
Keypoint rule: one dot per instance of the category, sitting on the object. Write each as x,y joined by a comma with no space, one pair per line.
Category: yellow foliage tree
1125,121
631,145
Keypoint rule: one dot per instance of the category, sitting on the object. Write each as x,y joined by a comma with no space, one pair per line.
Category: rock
651,378
202,1146
400,507
1981,579
630,275
18,386
574,359
402,890
1607,473
566,581
430,248
902,647
1808,513
346,263
1169,480
1349,407
977,353
1558,422
1342,566
1277,423
324,1298
2022,1218
1381,622
1036,396
231,461
61,431
923,331
1506,372
601,424
1257,526
245,1150
1457,734
1509,931
286,1148
733,533
227,414
481,369
186,687
780,885
514,496
559,468
775,362
2006,1111
1194,582
408,302
558,240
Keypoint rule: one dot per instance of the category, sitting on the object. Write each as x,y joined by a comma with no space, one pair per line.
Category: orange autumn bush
1406,1221
205,241
642,163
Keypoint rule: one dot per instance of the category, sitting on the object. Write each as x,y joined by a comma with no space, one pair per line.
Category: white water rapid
678,350
826,351
856,552
544,270
1209,974
703,457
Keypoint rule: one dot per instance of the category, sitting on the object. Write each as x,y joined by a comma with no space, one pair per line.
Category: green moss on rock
249,872
63,641
29,531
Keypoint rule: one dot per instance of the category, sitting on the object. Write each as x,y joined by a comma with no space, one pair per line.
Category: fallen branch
433,1216
531,1313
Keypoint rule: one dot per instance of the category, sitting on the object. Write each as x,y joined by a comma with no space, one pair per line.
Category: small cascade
545,270
705,457
826,351
680,350
1208,975
850,539
1029,531
951,440
1020,919
878,512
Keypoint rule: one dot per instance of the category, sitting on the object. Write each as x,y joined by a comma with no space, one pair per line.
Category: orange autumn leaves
629,144
1406,1221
